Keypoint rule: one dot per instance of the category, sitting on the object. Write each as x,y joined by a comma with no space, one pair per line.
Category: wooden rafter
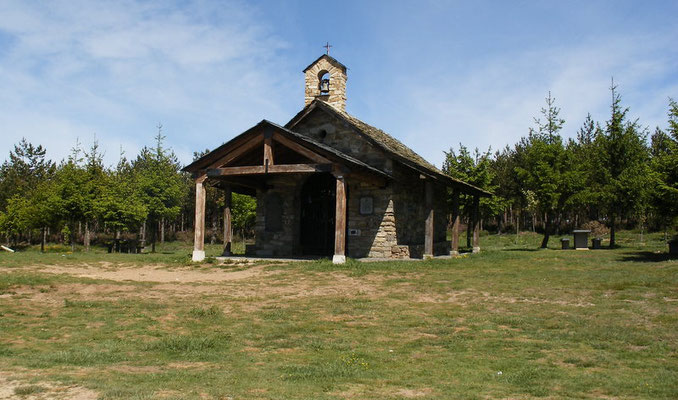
237,152
300,149
272,169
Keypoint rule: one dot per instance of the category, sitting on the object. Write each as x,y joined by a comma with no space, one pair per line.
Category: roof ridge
330,58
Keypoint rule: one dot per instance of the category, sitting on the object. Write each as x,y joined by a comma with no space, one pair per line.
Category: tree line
80,200
613,174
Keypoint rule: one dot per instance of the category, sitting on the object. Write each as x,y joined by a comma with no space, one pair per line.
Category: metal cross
327,47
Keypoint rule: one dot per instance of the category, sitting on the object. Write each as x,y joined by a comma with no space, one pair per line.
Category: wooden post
455,223
340,222
429,231
228,231
199,239
268,153
476,224
86,239
162,230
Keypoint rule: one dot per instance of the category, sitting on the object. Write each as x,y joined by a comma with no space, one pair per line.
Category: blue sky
431,73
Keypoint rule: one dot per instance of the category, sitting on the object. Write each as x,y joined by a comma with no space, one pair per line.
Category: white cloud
494,105
118,68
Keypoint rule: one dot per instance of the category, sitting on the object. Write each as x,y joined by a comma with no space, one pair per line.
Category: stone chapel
329,185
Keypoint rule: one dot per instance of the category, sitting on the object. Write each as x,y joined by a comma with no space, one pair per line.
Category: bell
325,86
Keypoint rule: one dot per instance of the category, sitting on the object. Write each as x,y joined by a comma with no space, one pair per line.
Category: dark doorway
317,215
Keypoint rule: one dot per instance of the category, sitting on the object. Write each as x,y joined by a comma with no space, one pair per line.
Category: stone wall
284,241
370,235
323,127
394,229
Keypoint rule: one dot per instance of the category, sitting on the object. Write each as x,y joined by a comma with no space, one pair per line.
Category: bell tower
326,81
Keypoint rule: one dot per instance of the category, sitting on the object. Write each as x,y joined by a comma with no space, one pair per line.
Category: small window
322,134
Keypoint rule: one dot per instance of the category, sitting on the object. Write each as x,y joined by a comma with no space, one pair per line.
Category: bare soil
152,273
42,390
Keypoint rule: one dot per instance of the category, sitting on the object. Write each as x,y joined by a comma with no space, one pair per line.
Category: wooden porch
241,166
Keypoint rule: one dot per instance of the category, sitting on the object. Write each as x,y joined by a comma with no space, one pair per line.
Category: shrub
597,229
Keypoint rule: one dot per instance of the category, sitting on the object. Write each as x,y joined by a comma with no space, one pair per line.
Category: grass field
510,322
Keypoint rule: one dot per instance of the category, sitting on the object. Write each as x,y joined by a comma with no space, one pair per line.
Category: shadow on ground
521,249
648,256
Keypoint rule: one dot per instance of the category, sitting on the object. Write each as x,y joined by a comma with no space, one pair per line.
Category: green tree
93,189
665,166
160,183
26,167
507,188
473,168
244,213
24,180
71,189
586,156
623,162
120,206
15,219
546,167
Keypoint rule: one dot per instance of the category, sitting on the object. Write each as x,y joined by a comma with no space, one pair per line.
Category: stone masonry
337,93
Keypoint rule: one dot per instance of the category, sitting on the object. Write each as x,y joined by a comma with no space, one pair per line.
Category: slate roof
387,143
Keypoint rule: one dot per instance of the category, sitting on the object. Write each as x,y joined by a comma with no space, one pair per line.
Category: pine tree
27,166
665,167
546,167
121,205
623,157
160,183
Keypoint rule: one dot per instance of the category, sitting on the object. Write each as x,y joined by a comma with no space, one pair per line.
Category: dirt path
155,273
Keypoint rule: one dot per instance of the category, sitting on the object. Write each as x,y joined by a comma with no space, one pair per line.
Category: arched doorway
317,215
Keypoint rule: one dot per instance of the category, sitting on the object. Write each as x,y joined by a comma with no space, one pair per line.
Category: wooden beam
455,222
228,231
299,148
199,238
237,152
476,224
268,152
365,177
429,230
274,169
340,222
238,183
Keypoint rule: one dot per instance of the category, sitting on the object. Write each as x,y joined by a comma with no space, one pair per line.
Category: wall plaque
366,205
